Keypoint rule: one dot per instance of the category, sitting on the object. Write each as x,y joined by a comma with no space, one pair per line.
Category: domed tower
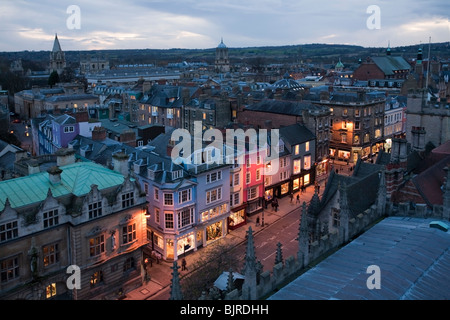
57,57
339,66
222,62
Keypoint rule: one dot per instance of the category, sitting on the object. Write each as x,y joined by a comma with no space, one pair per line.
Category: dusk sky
163,24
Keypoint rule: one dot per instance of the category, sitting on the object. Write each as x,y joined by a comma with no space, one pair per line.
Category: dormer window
50,218
177,174
95,209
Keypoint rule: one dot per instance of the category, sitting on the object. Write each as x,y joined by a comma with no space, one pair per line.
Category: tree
68,75
53,79
215,259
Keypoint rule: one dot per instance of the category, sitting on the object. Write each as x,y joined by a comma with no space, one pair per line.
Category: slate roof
56,45
283,107
296,134
414,262
362,186
429,182
65,119
389,64
71,97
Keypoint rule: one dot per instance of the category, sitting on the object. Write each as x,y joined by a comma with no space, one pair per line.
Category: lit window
96,278
51,254
50,290
297,149
297,167
307,146
307,162
96,245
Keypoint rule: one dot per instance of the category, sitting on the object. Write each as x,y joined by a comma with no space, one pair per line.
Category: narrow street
281,226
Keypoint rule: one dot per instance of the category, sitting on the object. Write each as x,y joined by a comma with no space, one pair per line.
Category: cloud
31,25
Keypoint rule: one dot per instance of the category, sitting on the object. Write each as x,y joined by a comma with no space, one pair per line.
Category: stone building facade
77,219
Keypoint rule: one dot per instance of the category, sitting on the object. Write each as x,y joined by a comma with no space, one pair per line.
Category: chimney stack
120,163
54,174
64,157
128,137
33,166
98,134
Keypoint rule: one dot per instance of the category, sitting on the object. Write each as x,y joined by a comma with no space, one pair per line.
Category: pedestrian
298,198
257,221
183,265
292,197
276,204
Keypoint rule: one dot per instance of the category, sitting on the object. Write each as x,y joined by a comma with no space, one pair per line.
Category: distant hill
316,52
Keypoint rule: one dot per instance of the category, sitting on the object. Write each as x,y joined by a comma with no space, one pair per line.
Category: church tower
388,50
57,58
222,62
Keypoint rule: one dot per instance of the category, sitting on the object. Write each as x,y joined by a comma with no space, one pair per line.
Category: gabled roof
65,119
362,186
430,181
389,64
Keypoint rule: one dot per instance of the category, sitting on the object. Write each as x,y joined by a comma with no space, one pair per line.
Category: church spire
388,50
56,45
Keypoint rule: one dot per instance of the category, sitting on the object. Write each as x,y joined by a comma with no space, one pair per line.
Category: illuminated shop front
237,219
214,231
284,188
268,194
322,168
185,244
306,179
344,155
296,183
388,145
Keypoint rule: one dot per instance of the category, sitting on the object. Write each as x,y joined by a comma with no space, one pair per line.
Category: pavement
158,288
